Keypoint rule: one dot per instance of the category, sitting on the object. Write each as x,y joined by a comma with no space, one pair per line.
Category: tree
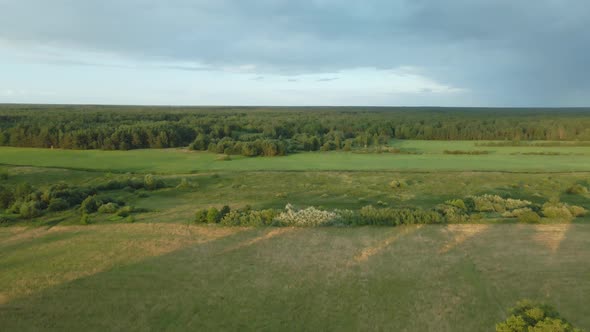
6,197
528,316
201,216
213,215
224,210
90,204
29,210
150,182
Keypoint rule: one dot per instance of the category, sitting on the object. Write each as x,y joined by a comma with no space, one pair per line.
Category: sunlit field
163,276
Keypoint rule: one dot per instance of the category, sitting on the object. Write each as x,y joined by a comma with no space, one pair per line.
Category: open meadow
186,238
170,277
426,156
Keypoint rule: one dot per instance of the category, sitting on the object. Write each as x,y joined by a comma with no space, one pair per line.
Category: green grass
172,277
162,274
431,158
327,189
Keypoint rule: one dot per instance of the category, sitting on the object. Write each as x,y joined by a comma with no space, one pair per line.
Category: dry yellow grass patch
266,236
551,236
461,233
91,249
367,253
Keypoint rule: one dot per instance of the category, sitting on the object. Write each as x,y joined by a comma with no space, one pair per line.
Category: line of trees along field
275,131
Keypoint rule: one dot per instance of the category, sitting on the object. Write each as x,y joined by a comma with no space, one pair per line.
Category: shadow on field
416,279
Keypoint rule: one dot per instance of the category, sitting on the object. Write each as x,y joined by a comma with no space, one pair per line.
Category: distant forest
271,131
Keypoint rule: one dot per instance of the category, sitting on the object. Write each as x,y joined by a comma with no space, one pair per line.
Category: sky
495,53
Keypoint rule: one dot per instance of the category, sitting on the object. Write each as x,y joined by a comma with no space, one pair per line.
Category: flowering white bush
306,217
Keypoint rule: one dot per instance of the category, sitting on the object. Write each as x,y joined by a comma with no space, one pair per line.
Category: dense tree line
275,131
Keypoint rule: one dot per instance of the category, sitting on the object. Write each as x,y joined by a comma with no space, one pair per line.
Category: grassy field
165,273
430,157
178,277
326,189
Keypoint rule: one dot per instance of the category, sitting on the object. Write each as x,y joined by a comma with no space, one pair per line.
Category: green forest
276,131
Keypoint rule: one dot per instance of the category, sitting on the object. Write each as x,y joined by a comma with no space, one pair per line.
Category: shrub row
29,202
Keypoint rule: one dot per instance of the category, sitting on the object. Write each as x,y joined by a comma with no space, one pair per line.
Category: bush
495,203
201,216
184,184
556,209
529,217
130,219
577,211
249,217
397,184
125,211
90,204
516,213
557,212
224,210
6,197
85,219
528,316
150,182
108,208
459,203
577,189
213,215
3,175
29,210
452,213
58,204
370,215
306,217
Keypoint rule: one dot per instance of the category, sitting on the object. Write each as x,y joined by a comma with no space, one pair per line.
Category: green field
162,272
178,277
429,156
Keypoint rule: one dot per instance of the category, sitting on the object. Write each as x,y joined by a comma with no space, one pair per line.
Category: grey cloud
505,52
327,79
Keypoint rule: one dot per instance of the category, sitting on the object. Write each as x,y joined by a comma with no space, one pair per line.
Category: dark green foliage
276,131
224,210
90,204
474,152
30,209
249,217
370,215
528,316
6,197
58,204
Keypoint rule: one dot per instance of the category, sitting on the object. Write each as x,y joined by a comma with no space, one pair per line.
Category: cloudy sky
296,52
